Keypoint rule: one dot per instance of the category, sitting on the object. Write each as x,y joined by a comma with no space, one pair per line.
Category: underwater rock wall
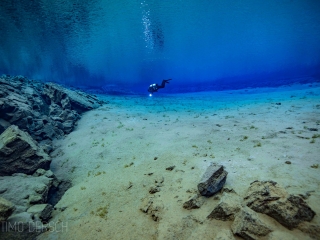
32,115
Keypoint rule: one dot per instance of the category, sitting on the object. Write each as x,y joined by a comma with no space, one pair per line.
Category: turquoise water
207,45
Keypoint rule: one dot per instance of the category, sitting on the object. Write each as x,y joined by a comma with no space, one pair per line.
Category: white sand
188,131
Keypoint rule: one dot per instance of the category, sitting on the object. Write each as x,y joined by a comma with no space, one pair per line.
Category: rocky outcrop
25,190
6,209
212,180
19,153
268,198
248,225
45,110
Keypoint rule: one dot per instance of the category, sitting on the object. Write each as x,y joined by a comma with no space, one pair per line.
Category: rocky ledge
32,114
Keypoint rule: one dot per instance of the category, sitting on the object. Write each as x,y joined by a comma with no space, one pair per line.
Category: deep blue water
201,45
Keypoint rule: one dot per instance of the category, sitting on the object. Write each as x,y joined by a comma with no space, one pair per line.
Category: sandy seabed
119,150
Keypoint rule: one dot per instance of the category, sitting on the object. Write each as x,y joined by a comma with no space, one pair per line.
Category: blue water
201,45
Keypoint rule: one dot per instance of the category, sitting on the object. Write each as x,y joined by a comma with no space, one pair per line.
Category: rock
224,234
57,190
20,153
212,180
228,207
6,209
69,99
268,198
195,202
21,227
40,108
311,229
154,190
30,189
41,211
248,225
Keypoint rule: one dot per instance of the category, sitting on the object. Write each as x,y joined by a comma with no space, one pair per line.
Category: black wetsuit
154,87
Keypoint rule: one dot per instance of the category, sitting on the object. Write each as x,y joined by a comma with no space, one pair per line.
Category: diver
154,87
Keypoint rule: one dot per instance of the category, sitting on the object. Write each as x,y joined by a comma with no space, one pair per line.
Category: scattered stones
248,225
212,180
19,153
152,207
6,209
268,198
195,202
229,205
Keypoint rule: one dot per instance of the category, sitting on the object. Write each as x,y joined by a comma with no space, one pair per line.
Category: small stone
170,168
195,202
287,162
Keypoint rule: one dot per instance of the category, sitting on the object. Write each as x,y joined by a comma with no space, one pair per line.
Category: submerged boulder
249,225
19,153
269,198
212,180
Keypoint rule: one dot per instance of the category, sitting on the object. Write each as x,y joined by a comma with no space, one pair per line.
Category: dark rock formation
212,180
57,191
248,225
228,207
268,198
6,209
45,110
19,153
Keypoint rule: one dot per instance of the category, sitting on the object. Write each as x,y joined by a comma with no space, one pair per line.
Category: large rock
268,198
228,207
212,180
249,225
6,209
25,190
41,212
19,153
